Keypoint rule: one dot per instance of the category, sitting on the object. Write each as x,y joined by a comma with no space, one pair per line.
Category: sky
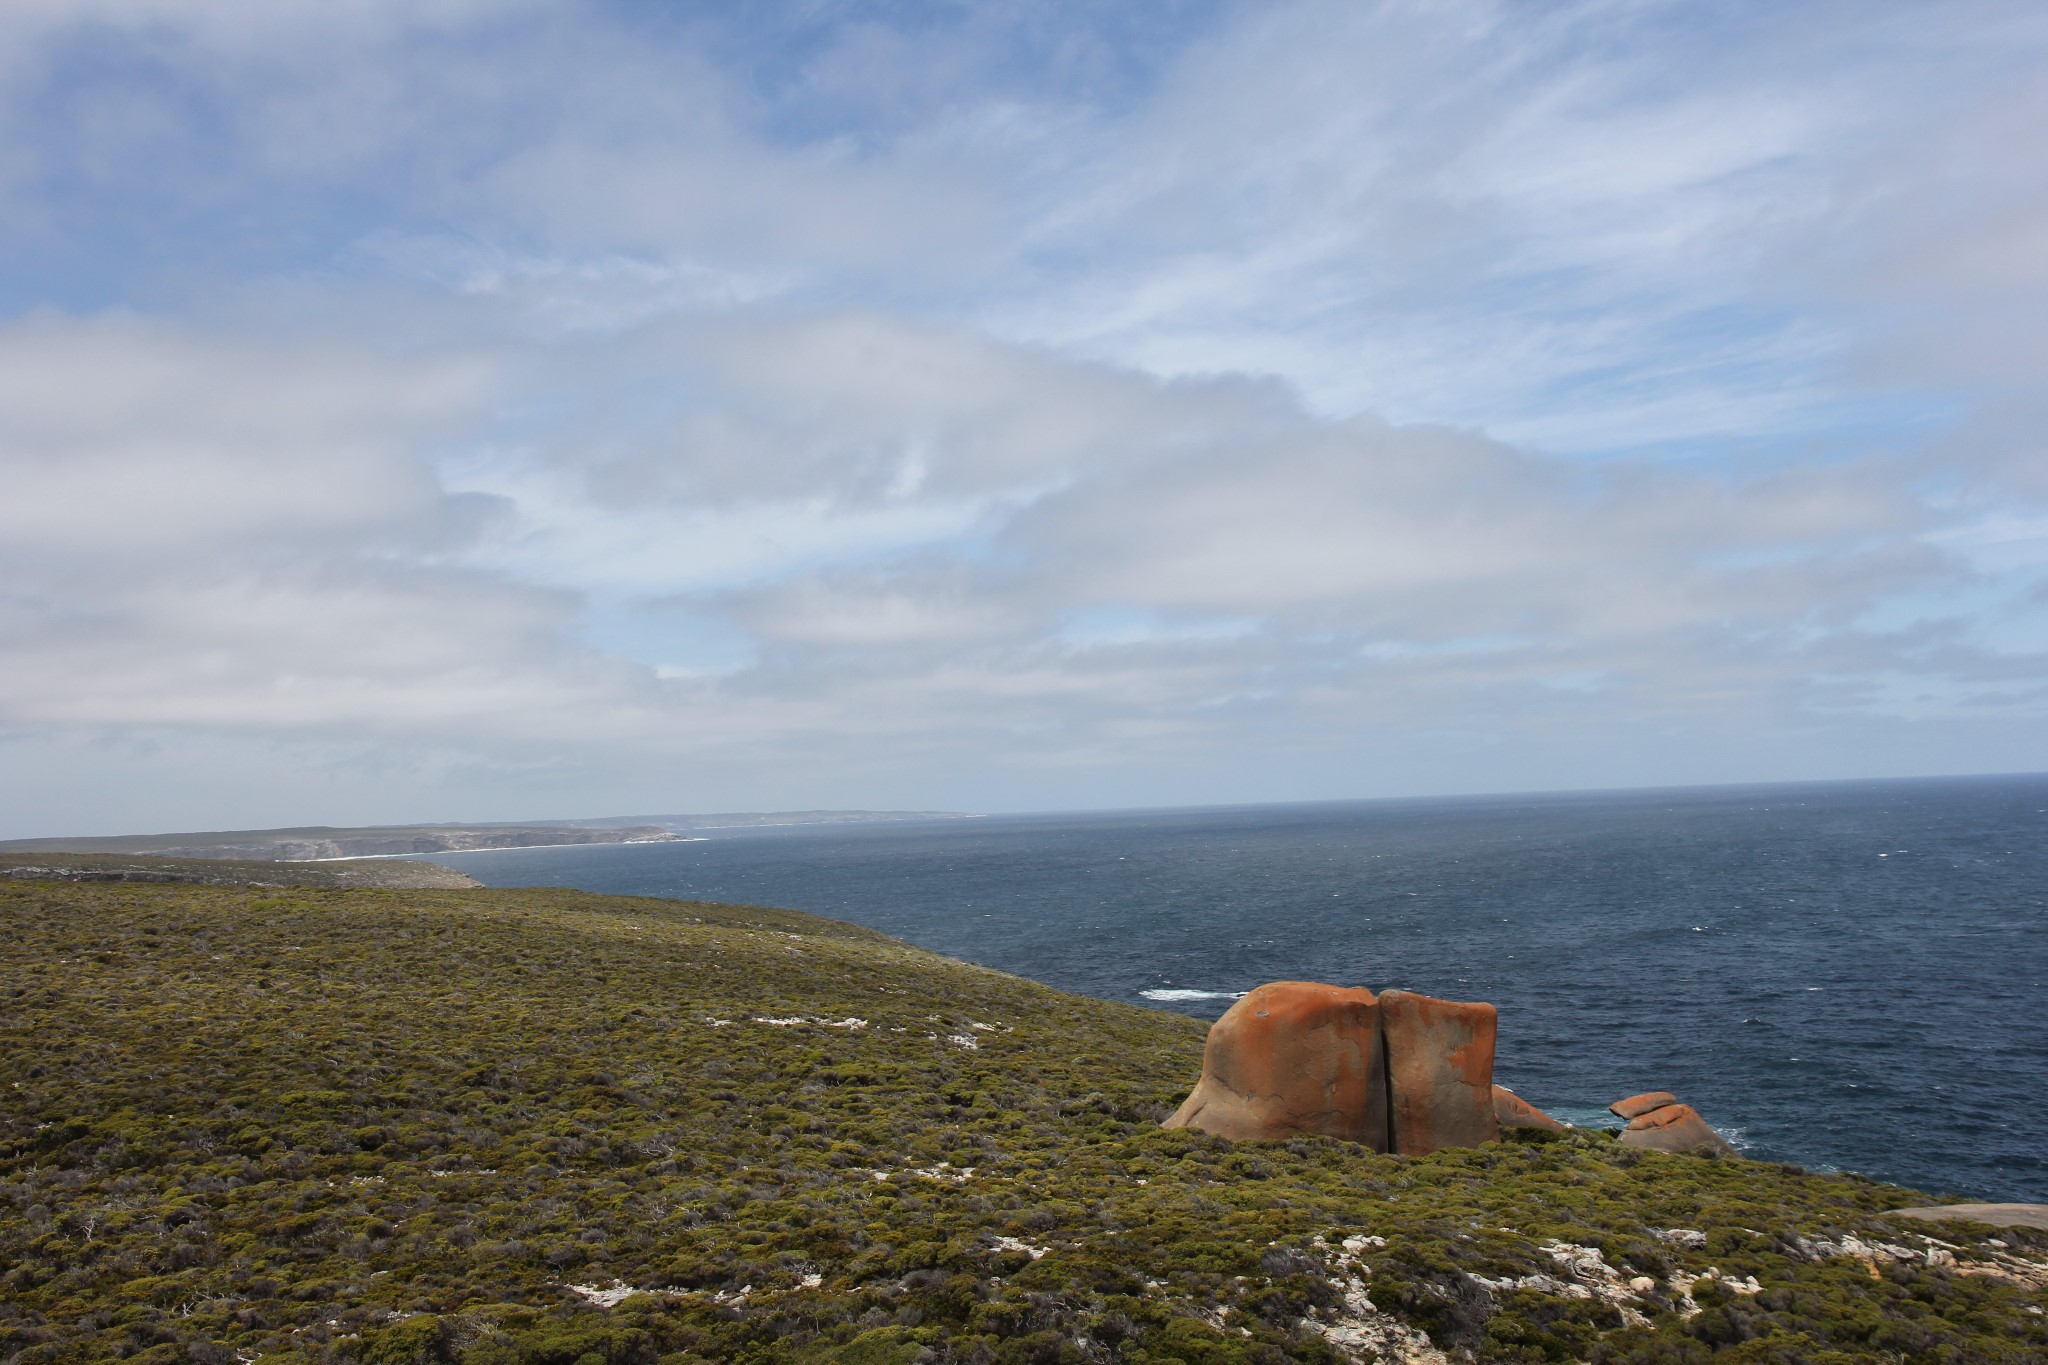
506,409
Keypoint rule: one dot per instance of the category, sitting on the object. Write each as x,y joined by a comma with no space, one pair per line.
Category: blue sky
452,409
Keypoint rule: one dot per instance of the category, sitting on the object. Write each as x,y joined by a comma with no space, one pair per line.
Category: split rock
1293,1057
1512,1111
1439,1072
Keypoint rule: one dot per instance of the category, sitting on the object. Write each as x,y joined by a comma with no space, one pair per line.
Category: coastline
503,848
1476,902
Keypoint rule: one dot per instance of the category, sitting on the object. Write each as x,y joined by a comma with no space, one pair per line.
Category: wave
1193,995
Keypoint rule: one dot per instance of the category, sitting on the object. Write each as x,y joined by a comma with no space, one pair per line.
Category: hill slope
423,1125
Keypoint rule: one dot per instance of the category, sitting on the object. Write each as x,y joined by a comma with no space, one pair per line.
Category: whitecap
1192,995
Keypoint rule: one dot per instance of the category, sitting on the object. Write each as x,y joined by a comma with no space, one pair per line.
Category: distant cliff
430,841
321,842
313,842
752,819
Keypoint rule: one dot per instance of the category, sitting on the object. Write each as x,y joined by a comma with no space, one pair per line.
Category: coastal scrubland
526,1127
136,867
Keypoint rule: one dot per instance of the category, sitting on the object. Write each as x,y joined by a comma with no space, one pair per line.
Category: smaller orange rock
1515,1112
1674,1128
1637,1105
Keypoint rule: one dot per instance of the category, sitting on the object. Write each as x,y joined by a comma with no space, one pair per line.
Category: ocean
1848,976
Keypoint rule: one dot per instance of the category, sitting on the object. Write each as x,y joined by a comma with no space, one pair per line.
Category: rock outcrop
1658,1123
1293,1057
1637,1105
1403,1073
1439,1072
1399,1072
1512,1111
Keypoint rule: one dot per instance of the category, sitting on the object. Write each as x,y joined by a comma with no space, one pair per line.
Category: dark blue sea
1848,976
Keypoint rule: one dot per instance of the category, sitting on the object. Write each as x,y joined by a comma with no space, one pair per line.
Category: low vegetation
527,1127
136,867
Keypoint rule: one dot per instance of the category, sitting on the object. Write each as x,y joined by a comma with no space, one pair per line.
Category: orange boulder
1294,1057
1439,1072
1512,1111
1637,1105
1674,1128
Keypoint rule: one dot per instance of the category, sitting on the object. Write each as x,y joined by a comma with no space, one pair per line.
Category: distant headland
320,843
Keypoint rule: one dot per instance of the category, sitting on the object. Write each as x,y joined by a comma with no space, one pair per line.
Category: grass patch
541,1126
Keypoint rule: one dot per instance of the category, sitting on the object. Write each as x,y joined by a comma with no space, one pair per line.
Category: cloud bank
467,411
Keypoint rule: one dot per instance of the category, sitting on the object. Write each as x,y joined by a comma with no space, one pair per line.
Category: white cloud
996,411
869,609
131,438
296,539
556,528
241,535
